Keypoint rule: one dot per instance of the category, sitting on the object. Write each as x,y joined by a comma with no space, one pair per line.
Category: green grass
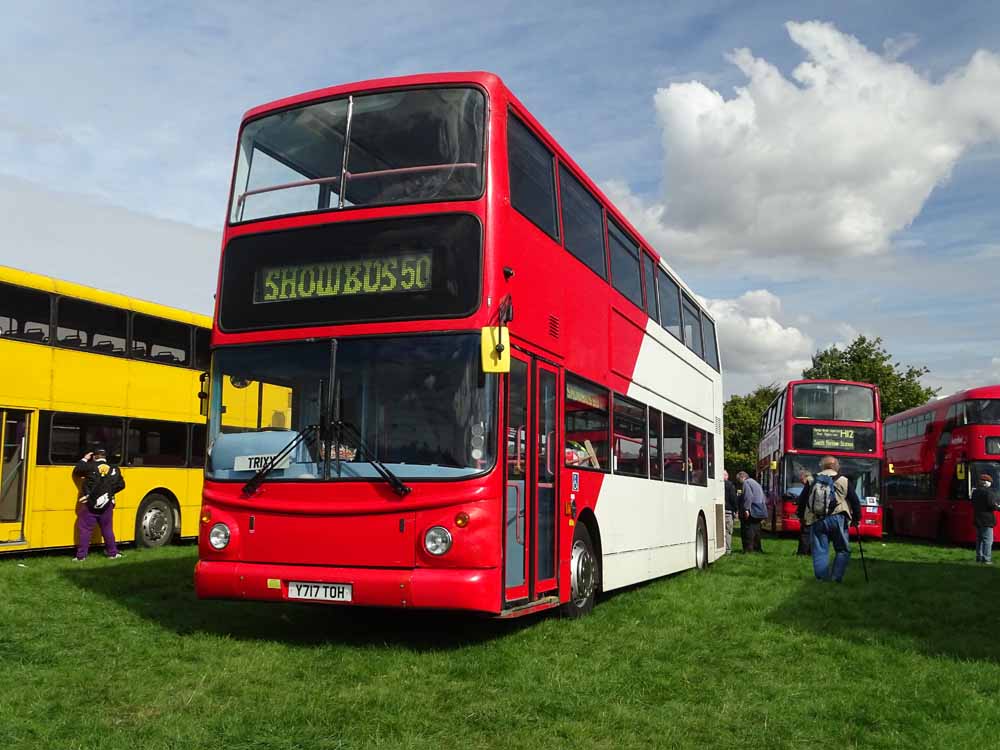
753,653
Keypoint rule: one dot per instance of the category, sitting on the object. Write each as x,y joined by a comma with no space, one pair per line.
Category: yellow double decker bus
79,367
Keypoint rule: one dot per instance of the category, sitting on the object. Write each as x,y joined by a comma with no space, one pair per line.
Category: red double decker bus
814,418
934,454
495,395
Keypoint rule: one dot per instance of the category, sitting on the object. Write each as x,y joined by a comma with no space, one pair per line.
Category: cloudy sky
813,173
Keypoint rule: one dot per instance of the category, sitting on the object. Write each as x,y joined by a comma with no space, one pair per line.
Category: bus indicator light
462,520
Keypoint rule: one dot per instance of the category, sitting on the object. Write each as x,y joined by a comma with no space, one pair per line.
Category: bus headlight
437,540
218,537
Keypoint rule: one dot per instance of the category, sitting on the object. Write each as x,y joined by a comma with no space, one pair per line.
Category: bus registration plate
324,592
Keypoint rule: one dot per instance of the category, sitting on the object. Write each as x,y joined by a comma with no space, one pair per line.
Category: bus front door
13,473
532,455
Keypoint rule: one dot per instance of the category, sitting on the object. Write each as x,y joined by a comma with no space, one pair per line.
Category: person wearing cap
100,482
984,507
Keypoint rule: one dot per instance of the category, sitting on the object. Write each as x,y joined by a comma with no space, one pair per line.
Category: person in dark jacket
100,481
754,511
984,507
732,510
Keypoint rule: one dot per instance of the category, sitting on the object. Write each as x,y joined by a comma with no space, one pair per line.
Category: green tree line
864,360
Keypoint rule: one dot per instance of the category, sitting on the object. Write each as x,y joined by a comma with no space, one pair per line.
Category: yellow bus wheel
154,523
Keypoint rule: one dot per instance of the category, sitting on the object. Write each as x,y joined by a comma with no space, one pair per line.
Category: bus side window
156,443
201,351
674,449
160,340
24,313
86,325
532,177
72,435
626,274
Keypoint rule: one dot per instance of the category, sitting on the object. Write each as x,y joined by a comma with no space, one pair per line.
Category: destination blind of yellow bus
407,272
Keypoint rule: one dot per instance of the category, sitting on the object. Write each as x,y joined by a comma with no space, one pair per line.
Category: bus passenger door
532,464
13,473
518,463
546,494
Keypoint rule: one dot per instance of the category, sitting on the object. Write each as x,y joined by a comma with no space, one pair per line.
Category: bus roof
829,380
100,296
982,391
490,82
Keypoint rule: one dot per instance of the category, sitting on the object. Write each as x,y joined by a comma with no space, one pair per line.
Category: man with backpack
100,482
754,511
831,506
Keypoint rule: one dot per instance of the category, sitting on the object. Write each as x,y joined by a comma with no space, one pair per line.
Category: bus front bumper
475,590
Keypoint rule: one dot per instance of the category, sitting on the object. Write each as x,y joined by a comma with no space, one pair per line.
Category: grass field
752,653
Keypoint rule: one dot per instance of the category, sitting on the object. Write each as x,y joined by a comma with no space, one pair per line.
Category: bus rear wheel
701,545
584,574
154,523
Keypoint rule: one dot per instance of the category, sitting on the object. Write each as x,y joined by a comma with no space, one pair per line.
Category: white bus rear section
648,527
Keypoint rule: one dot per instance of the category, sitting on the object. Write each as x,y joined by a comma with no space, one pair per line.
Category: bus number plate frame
320,592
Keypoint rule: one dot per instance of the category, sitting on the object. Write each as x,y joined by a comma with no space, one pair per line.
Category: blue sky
118,123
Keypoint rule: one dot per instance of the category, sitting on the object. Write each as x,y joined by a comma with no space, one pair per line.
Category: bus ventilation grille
720,527
553,326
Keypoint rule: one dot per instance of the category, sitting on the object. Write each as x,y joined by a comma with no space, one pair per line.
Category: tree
741,419
865,360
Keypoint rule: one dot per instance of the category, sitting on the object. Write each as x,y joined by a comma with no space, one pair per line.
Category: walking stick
864,565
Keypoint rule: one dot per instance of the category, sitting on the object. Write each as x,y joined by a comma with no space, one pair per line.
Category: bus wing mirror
495,346
203,394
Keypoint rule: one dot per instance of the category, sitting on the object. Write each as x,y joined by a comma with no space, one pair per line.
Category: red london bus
810,419
934,453
416,269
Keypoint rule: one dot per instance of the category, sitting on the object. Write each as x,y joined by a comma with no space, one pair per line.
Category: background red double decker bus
810,419
934,455
383,239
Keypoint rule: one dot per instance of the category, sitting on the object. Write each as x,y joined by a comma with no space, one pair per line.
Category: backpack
822,496
107,480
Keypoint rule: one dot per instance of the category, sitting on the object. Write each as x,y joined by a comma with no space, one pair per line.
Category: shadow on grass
936,608
163,591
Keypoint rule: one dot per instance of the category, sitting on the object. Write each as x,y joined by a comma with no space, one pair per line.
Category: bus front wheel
154,523
584,573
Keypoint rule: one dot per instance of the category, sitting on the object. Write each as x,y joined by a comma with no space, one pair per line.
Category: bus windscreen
850,403
383,148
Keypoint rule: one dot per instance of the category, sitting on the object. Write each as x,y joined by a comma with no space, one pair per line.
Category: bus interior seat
71,341
105,345
33,334
166,357
138,350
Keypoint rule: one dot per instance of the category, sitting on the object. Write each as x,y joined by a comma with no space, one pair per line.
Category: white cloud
828,163
756,346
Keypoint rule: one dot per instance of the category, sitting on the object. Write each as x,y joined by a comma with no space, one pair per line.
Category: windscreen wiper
384,471
257,479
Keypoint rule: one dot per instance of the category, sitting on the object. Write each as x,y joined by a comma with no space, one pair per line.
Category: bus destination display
408,272
853,439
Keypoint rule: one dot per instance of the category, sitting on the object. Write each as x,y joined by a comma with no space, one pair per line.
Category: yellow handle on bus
495,345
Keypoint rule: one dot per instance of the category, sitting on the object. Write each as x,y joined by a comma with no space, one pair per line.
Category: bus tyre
584,575
701,544
154,523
